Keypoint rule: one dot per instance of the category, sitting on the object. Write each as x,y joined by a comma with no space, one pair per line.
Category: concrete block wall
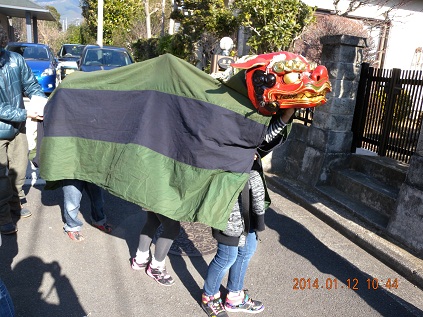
406,224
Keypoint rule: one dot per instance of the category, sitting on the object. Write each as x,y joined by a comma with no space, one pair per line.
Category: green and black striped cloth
159,133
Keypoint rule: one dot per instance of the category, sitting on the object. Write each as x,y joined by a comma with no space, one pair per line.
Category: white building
403,45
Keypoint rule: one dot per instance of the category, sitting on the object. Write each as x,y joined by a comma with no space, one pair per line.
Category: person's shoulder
15,59
10,57
14,55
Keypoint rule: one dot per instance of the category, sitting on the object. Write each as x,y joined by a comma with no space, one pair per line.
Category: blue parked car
95,57
41,60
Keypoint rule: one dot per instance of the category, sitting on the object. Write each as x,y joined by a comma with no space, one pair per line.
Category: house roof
19,8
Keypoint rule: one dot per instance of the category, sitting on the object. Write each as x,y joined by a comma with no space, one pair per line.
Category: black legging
171,229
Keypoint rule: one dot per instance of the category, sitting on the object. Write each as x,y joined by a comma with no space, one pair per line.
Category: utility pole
100,22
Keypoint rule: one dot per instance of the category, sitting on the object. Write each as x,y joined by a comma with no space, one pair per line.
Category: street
302,267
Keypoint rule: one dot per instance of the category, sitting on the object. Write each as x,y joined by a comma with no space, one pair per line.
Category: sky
68,9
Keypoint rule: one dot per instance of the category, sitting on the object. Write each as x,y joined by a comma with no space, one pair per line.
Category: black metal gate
388,113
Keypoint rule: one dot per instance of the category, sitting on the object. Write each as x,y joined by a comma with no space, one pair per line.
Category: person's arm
12,114
276,127
30,86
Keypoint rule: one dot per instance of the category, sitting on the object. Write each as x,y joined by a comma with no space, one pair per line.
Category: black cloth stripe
190,131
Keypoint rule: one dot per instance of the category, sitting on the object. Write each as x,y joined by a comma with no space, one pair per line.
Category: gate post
406,223
360,106
392,91
309,152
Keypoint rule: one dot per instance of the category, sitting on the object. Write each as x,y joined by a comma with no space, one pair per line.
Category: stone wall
406,224
310,152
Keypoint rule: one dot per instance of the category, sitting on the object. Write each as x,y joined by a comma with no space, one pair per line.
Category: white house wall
405,33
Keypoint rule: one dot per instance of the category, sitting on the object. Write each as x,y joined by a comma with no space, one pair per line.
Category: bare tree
343,21
343,8
48,32
50,35
309,43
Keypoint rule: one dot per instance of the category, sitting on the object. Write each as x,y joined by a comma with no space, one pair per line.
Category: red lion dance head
284,80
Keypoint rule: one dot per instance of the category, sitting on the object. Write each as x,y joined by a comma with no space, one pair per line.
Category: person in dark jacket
238,242
16,79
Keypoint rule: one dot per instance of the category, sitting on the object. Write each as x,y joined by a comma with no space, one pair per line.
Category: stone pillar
309,152
35,29
406,223
244,34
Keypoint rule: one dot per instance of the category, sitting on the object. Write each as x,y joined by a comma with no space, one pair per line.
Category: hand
34,115
287,114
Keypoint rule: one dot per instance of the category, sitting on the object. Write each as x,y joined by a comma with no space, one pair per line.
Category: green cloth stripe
144,177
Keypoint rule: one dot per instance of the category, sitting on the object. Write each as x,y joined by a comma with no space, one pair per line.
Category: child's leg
238,299
239,268
146,237
157,268
223,260
98,218
72,194
95,193
171,229
218,267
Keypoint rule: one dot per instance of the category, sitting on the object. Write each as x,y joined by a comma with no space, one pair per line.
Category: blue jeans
232,258
72,192
6,304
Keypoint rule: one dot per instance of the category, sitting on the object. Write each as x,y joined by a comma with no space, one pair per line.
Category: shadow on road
24,282
300,240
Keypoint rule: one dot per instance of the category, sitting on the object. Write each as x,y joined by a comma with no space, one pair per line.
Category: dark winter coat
15,78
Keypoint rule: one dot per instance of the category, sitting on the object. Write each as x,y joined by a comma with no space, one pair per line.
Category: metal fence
304,115
388,112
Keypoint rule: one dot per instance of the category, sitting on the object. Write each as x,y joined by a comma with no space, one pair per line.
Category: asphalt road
302,267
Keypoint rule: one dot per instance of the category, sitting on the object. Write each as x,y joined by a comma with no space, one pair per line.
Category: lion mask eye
260,78
292,78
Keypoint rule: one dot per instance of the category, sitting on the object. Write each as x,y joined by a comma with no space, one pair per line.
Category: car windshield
106,57
71,50
30,52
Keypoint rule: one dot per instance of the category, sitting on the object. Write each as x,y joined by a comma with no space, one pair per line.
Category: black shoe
23,212
8,228
213,306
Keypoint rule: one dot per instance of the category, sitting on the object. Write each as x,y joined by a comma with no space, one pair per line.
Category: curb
386,251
